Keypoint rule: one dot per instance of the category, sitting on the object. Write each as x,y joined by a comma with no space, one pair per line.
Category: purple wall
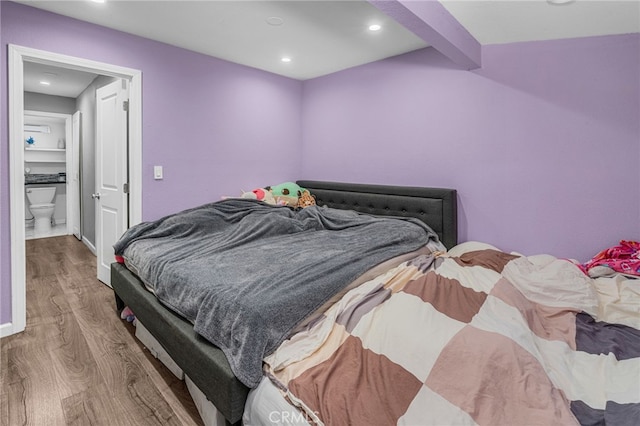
216,127
542,142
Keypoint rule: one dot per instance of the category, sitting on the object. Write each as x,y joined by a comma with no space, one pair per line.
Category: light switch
157,172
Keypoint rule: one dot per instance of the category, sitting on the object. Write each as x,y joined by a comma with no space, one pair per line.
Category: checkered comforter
477,336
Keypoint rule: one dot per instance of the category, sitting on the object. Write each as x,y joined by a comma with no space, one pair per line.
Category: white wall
49,103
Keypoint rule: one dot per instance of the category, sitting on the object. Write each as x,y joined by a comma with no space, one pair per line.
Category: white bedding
266,405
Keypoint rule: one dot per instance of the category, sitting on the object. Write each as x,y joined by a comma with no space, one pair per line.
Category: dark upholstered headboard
437,207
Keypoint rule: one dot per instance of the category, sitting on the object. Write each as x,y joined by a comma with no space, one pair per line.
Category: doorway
50,165
18,55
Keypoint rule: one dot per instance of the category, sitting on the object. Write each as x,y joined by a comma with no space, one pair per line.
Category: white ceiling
62,82
325,36
511,21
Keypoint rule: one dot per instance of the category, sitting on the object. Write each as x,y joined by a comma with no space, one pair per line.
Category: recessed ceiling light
98,1
275,21
45,83
285,59
559,2
375,27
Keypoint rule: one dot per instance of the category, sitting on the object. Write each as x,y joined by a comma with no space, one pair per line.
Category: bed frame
204,363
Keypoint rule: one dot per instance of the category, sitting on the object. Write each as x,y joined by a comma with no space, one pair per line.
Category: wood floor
77,362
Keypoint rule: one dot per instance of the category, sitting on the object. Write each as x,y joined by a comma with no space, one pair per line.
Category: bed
471,335
205,364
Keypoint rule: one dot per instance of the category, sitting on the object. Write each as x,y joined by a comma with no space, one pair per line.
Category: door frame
74,180
17,55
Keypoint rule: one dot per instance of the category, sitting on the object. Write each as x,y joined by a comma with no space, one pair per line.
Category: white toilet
41,206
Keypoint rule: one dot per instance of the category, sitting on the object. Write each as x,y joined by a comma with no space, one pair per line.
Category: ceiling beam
430,21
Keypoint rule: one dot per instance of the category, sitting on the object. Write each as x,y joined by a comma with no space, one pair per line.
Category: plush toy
306,199
260,194
286,193
127,314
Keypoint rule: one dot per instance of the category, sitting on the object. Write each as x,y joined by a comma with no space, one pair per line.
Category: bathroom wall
49,103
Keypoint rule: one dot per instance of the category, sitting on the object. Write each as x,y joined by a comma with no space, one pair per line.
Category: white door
73,177
111,172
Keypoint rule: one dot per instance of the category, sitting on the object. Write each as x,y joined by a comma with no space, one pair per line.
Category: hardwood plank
32,393
92,408
4,391
105,332
72,361
38,267
130,385
45,300
93,302
33,334
77,252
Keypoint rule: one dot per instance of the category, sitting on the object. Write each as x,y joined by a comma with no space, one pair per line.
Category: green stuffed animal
286,193
287,188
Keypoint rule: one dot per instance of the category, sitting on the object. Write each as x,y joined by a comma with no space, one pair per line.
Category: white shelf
46,149
45,155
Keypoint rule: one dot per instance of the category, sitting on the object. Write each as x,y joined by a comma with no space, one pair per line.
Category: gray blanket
246,273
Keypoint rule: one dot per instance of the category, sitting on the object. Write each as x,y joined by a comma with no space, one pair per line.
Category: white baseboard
7,329
89,245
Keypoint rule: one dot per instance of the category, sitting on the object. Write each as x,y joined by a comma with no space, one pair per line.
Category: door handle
95,196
